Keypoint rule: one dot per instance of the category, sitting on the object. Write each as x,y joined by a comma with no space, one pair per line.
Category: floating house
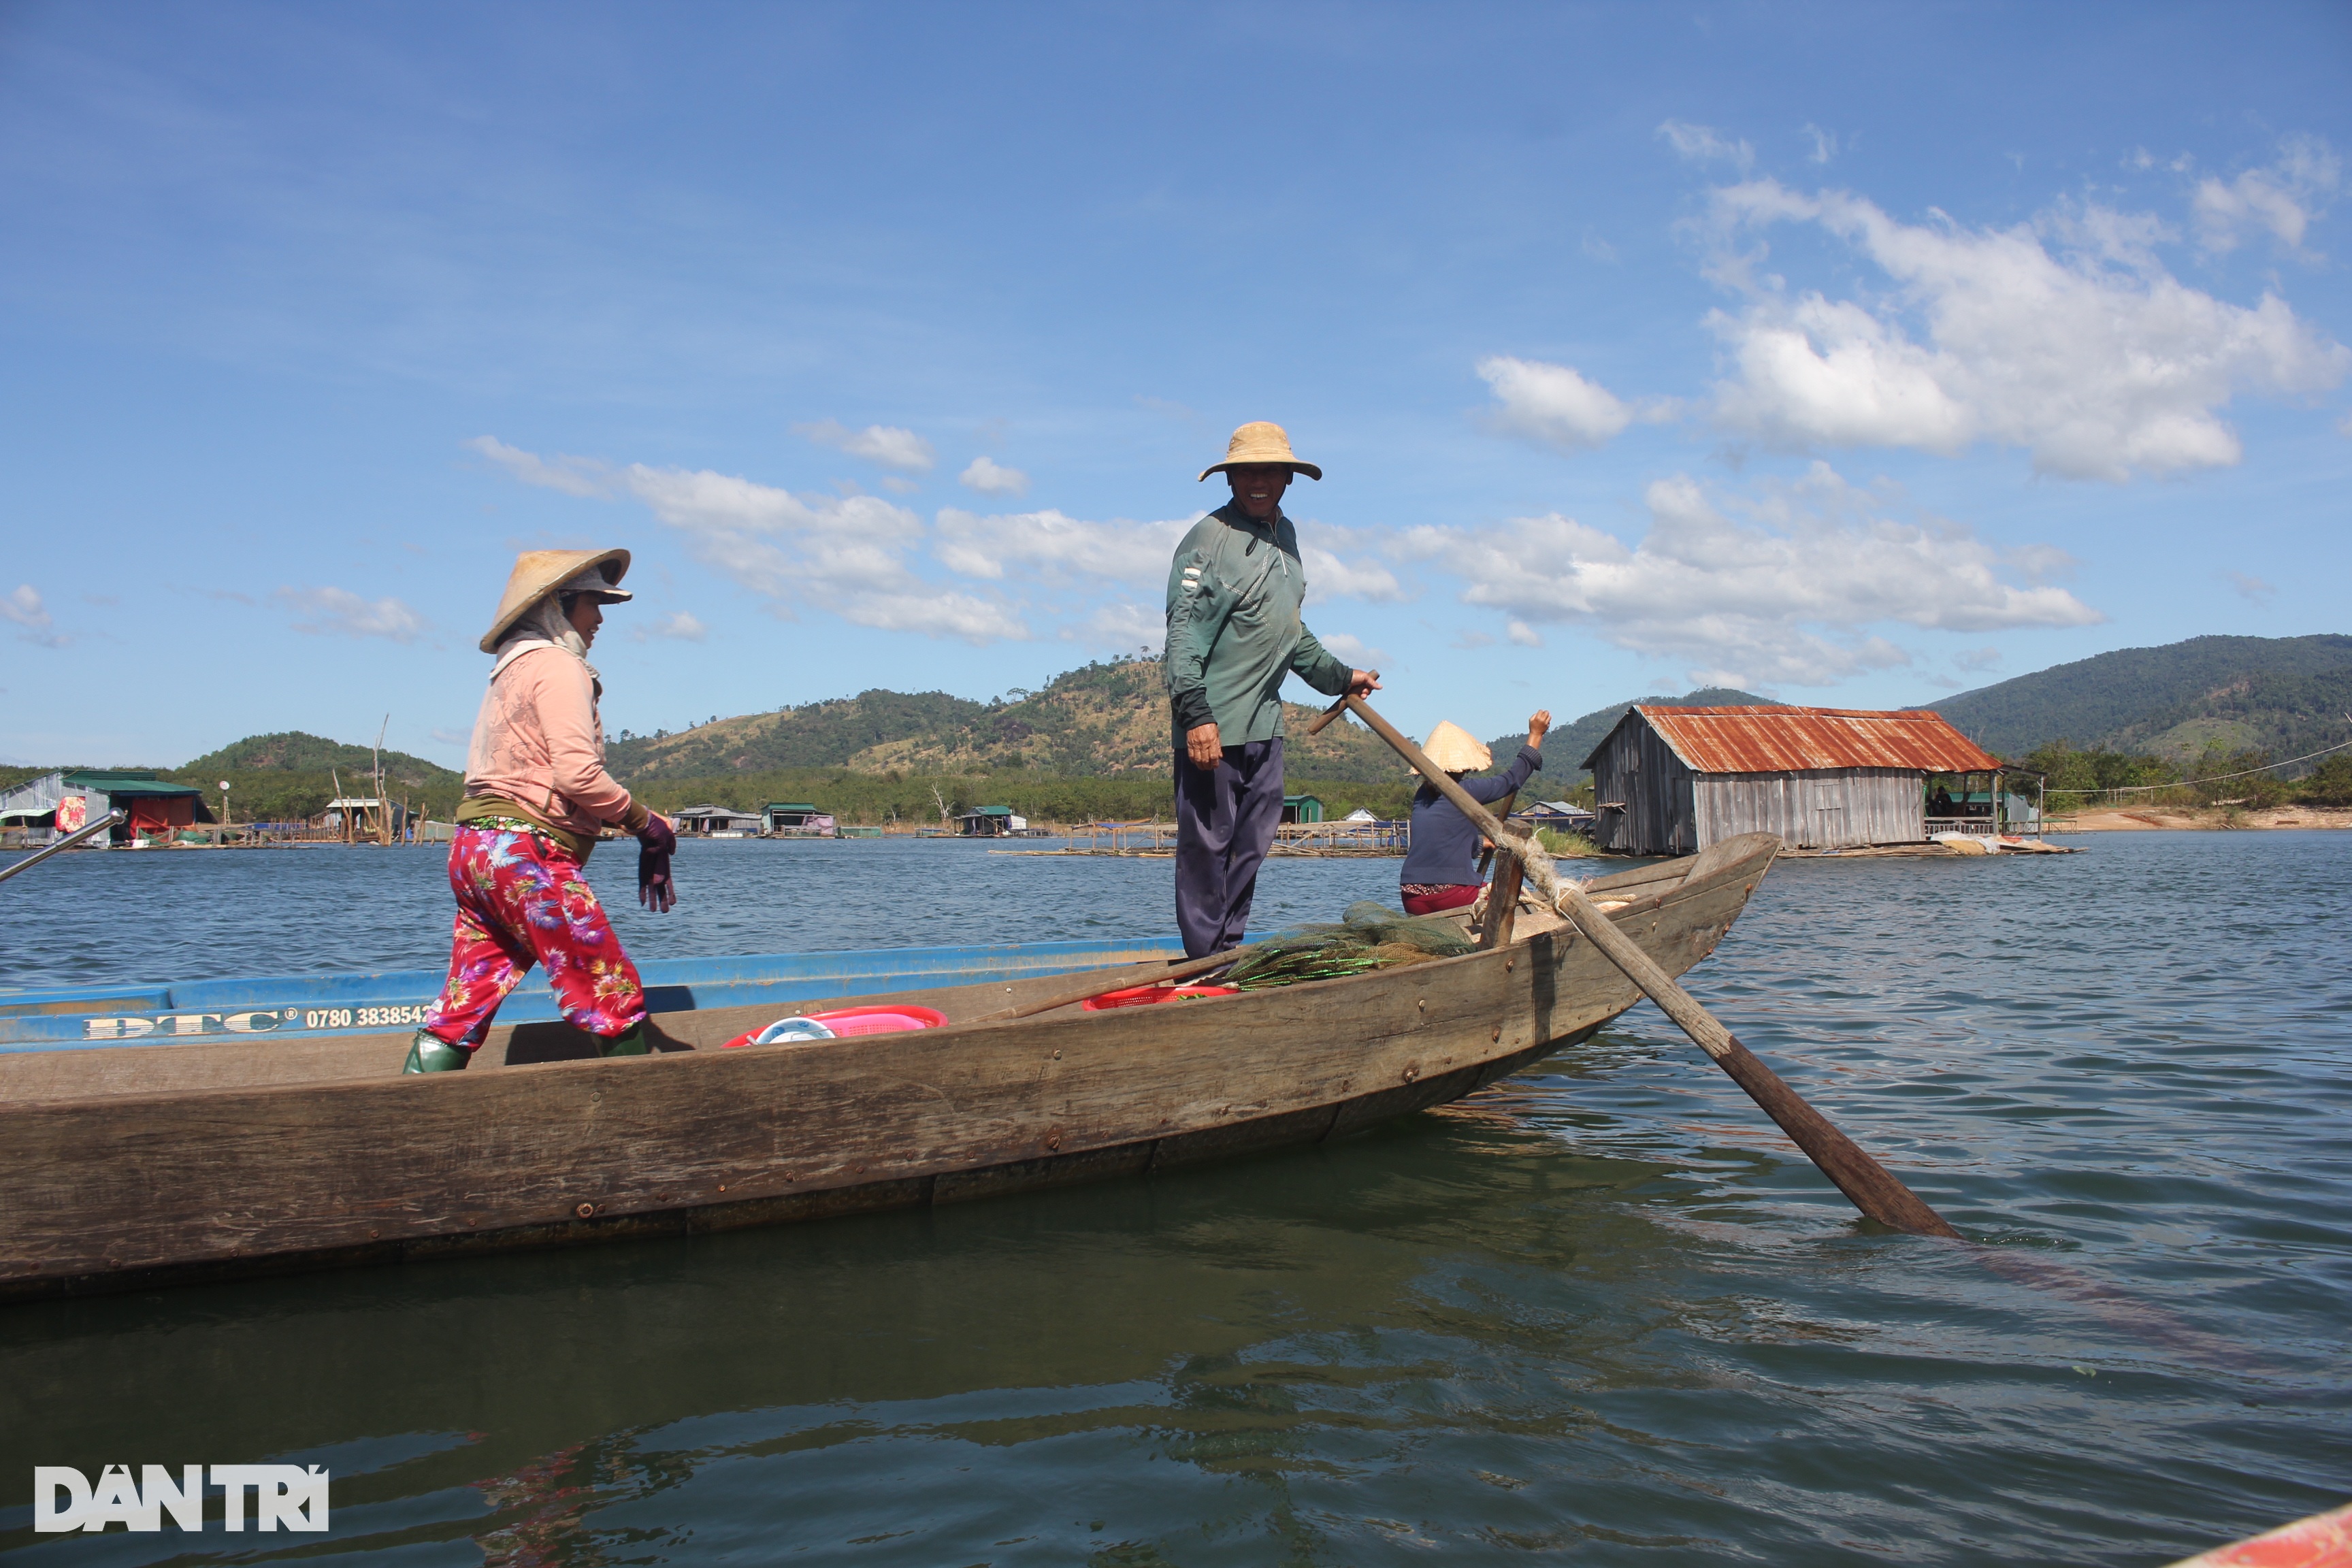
990,822
1301,809
39,811
364,820
1673,780
1560,815
716,822
797,819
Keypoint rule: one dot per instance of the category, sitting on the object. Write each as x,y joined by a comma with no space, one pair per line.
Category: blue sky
1856,354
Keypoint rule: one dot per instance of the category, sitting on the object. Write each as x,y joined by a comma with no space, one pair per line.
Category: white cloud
2094,359
1134,554
1123,624
859,556
847,555
1524,635
24,609
938,612
2251,589
885,444
1978,658
899,487
452,737
680,627
1703,145
338,612
1825,144
1332,576
2283,198
1788,596
992,478
572,476
1551,403
1360,654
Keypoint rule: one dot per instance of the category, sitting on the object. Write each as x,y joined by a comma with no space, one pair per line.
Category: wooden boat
124,1167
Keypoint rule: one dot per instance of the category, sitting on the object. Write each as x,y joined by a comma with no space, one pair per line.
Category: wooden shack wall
1834,808
1636,769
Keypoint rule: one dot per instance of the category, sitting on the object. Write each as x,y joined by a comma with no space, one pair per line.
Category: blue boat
193,1148
310,1005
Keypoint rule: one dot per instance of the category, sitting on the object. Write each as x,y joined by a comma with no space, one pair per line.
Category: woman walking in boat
1441,871
536,794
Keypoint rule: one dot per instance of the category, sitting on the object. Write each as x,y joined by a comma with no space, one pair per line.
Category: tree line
2099,776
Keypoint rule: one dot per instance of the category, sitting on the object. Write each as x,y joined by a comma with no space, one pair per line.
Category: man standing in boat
537,795
1233,633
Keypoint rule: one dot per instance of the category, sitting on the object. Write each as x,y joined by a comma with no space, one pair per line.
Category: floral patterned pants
523,897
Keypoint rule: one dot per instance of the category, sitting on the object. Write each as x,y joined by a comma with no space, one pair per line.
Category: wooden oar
1869,1185
1102,982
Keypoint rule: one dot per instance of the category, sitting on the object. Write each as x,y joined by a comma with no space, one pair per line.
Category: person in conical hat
1233,634
537,795
1440,868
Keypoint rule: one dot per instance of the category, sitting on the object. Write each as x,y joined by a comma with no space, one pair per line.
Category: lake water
1601,1312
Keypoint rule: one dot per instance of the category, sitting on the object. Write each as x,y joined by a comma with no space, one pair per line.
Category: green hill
2287,695
290,775
818,735
1568,745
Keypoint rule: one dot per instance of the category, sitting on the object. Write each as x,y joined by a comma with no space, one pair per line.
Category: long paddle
1869,1185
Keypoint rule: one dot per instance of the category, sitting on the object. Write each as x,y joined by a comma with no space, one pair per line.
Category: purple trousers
1225,818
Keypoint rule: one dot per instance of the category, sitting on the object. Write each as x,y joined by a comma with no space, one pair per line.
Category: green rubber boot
426,1054
631,1044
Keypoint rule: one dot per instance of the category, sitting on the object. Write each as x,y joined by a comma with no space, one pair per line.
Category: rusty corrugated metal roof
1789,740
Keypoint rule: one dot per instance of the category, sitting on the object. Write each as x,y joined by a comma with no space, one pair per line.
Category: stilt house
1673,781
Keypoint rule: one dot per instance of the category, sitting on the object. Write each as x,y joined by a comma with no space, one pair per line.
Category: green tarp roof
127,783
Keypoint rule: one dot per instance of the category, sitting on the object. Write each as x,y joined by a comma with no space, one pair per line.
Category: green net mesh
1368,936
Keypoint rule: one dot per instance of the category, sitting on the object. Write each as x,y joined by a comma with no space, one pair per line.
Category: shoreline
2203,819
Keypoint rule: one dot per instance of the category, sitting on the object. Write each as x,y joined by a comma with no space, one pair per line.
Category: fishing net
1368,936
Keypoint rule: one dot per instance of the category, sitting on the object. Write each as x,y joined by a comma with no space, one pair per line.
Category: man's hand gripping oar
1872,1187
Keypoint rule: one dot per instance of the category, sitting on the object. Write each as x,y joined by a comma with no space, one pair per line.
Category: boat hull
331,1160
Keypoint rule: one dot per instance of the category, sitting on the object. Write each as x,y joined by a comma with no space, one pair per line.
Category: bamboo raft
133,1167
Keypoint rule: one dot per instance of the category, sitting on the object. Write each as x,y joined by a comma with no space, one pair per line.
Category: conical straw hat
1451,748
538,572
1260,442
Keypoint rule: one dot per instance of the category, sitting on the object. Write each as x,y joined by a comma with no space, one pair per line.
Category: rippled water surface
1601,1312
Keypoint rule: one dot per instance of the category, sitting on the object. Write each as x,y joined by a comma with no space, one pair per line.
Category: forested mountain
1099,721
2287,695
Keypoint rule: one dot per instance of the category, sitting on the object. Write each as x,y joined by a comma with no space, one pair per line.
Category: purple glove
655,846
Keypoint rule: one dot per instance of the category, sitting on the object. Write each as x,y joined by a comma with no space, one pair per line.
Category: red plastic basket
1149,995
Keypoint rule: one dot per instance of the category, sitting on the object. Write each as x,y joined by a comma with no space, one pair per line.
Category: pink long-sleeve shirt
539,743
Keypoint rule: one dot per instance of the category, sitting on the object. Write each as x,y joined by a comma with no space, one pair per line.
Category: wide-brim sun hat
1453,750
540,572
1262,442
